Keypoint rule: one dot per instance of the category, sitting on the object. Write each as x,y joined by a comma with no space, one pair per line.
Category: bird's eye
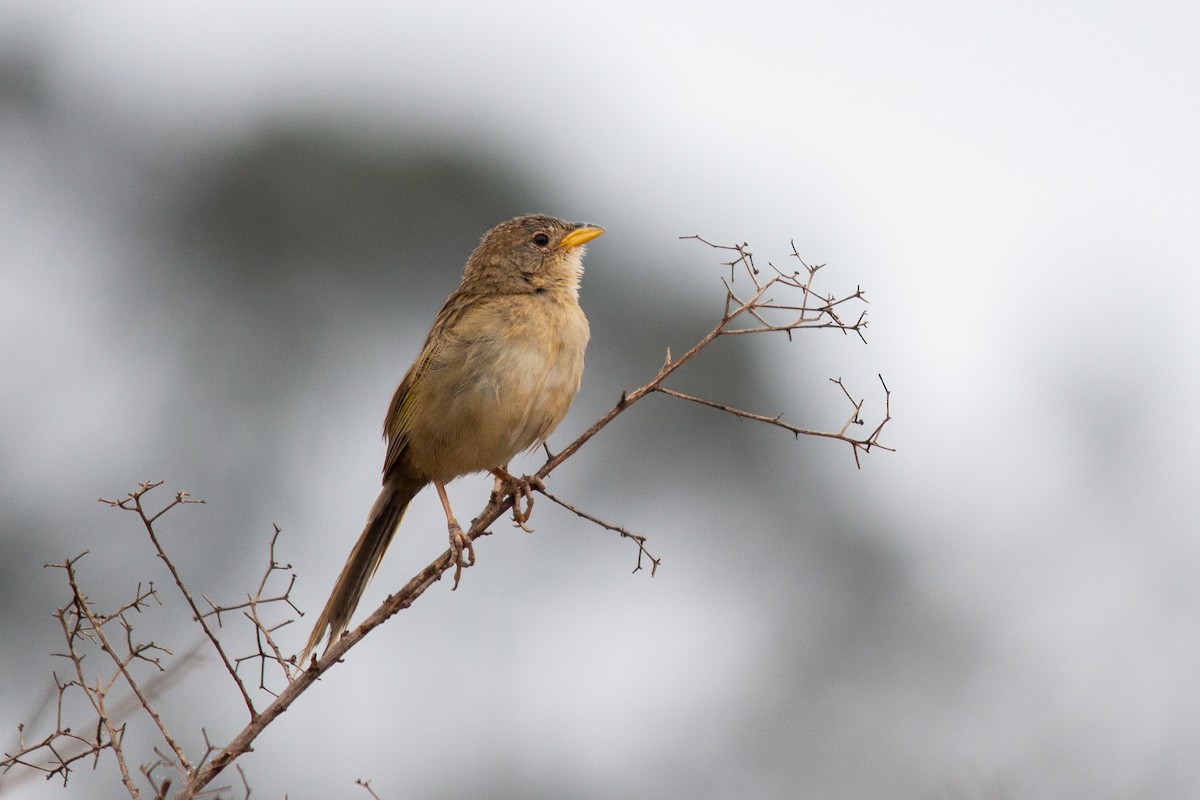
541,239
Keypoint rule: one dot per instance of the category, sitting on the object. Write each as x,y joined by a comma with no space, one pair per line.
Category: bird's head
530,254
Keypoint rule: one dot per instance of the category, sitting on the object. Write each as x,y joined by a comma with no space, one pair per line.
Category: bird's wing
396,424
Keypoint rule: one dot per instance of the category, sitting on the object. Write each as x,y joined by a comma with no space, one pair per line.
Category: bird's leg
460,544
521,490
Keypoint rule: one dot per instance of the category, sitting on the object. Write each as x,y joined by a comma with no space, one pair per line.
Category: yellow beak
584,233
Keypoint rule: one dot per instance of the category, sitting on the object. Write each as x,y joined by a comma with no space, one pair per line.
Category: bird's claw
463,550
521,490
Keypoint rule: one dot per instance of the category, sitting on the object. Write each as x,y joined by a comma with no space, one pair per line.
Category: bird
497,373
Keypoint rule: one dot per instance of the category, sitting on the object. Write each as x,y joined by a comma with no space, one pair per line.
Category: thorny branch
777,301
54,754
133,502
83,626
637,539
92,626
264,633
367,785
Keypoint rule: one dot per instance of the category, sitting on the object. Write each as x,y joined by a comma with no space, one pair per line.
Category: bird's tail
363,561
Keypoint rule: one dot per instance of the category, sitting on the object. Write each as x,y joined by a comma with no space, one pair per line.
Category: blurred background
225,230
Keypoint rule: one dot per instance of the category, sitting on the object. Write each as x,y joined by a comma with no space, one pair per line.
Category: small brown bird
498,372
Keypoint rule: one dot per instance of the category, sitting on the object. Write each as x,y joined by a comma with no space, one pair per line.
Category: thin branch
133,502
637,539
70,617
367,785
83,609
857,443
267,648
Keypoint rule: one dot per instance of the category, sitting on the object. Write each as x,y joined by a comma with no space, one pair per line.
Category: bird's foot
521,490
463,550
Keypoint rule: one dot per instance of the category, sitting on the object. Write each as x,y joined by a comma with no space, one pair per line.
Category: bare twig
268,650
133,502
637,539
54,754
367,785
72,619
857,444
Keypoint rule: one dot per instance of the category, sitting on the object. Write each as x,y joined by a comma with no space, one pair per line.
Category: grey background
224,231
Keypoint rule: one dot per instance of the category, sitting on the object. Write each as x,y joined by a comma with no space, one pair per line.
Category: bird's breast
502,386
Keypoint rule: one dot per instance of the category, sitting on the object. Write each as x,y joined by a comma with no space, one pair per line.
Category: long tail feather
363,561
